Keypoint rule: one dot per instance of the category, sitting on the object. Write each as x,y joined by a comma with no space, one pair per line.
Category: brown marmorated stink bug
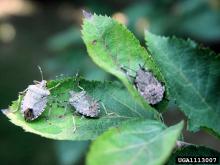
84,104
148,86
35,99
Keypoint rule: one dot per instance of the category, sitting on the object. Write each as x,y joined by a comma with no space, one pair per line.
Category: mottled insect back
148,86
35,100
84,104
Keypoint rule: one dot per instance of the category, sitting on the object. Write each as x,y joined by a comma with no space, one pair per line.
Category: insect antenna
41,73
125,68
77,78
142,66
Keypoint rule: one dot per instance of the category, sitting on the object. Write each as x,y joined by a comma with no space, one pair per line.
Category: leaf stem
181,144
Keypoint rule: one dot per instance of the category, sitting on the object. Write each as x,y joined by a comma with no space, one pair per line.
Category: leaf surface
192,74
115,49
117,107
138,143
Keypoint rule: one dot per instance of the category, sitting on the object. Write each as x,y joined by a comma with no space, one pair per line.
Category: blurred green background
47,33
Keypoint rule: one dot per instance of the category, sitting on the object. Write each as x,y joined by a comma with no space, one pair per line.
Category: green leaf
145,142
193,151
119,105
193,76
113,47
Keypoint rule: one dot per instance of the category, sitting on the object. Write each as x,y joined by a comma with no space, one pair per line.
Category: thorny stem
181,144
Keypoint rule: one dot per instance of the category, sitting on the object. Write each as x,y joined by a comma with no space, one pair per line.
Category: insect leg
129,76
75,113
55,86
19,104
125,68
20,99
106,112
65,109
77,79
74,124
161,117
36,82
80,87
23,92
49,111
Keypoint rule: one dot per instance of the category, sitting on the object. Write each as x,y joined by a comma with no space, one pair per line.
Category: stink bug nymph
148,86
84,104
35,99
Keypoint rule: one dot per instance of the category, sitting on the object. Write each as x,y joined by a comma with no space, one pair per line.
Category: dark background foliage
47,33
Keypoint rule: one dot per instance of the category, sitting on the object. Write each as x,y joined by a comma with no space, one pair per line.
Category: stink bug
148,86
35,99
84,104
